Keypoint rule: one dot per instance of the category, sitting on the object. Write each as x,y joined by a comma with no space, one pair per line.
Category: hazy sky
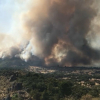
7,9
10,11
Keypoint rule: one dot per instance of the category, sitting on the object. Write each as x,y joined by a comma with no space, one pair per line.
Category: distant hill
15,62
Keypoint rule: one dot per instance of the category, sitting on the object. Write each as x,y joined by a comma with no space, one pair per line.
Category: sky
10,10
7,9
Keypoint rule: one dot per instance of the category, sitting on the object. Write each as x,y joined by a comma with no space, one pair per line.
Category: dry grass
95,98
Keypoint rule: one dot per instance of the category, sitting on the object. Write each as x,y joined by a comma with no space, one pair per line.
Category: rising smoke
59,32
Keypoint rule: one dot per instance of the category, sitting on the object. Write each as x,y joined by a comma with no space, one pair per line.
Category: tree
94,92
79,91
66,88
45,96
36,95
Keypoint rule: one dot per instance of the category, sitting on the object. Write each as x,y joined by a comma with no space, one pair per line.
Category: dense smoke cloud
60,32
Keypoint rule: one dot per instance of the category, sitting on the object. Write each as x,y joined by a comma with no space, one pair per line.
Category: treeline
48,87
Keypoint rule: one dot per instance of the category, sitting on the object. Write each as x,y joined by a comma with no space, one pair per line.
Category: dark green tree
65,88
45,96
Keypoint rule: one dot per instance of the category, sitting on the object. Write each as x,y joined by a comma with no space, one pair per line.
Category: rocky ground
10,89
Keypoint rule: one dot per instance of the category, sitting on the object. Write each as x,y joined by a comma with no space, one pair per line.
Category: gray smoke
59,31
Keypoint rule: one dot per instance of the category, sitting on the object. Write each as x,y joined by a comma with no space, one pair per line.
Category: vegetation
45,87
51,86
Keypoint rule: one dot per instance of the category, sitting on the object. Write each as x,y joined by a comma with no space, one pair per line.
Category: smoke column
64,32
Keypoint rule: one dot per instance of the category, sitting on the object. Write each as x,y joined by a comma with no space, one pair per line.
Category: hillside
15,62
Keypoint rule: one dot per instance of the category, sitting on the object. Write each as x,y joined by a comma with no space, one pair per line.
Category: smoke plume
59,32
